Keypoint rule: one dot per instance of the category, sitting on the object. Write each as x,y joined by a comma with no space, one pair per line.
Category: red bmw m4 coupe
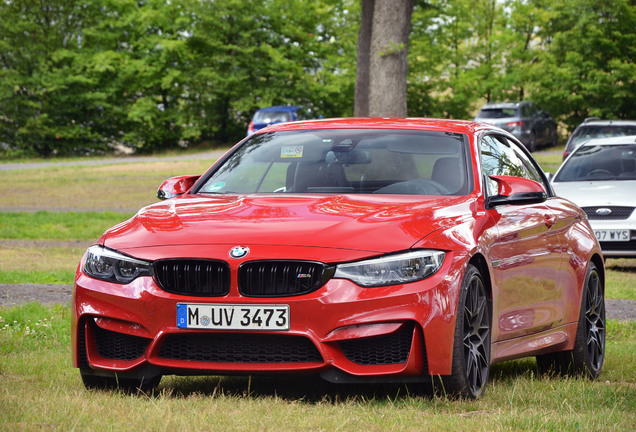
362,250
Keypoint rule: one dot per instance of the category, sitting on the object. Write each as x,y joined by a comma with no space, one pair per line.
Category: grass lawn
39,390
35,368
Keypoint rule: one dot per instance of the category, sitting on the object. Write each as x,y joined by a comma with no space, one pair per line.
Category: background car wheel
586,359
555,138
471,350
96,382
532,142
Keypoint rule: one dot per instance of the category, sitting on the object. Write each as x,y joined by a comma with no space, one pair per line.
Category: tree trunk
361,101
388,57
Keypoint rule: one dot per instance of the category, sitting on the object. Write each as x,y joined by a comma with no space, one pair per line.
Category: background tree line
80,76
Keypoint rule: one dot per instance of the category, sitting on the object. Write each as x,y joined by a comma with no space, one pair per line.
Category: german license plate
612,235
232,317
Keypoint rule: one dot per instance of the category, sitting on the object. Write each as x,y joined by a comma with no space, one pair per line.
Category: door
526,257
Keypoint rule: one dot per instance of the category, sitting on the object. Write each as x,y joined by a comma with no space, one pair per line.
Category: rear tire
532,142
588,355
555,138
471,349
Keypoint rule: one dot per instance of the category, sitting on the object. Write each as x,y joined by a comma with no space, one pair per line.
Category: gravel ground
16,294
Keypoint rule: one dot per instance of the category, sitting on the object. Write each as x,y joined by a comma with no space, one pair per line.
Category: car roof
497,105
286,108
620,140
444,125
604,123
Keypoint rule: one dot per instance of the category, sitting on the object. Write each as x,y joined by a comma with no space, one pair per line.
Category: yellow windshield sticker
295,151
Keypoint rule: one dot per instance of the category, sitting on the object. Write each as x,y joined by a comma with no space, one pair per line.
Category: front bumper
341,330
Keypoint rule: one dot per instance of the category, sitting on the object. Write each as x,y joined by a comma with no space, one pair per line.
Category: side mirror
517,190
176,186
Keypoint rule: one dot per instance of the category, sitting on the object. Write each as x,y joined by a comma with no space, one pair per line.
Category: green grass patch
35,367
61,277
63,226
54,265
551,160
621,278
42,263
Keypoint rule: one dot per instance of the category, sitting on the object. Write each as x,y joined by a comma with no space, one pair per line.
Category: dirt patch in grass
48,294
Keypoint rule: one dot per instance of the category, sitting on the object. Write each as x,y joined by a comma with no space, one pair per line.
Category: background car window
587,133
526,111
494,113
600,163
272,116
501,157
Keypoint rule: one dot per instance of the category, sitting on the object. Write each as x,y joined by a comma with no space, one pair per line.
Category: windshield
495,113
598,163
346,161
272,117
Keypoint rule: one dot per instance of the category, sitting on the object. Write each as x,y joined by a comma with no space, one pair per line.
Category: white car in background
600,176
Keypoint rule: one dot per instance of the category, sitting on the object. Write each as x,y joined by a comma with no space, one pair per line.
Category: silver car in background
595,128
533,126
600,176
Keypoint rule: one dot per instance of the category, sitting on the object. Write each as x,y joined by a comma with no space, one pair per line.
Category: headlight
392,269
111,266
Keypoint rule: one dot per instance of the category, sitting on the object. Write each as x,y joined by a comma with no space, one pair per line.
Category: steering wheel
415,187
599,173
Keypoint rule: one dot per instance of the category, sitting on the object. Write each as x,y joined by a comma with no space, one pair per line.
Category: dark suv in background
594,127
525,120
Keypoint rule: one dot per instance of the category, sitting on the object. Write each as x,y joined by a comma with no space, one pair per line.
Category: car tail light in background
514,124
250,128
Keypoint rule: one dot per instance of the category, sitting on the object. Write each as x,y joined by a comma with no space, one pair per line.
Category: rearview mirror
517,190
176,186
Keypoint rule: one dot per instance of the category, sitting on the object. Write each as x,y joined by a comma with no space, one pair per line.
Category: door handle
549,221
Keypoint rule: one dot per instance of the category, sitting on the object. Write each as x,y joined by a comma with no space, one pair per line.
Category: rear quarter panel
580,246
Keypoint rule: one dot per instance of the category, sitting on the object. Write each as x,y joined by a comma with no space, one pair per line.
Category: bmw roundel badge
239,251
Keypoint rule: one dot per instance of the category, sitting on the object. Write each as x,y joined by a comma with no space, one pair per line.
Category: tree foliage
79,77
83,76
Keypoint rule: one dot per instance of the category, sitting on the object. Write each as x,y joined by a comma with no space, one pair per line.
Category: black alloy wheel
471,351
588,355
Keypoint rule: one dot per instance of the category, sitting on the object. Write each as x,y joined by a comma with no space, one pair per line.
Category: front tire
471,349
588,355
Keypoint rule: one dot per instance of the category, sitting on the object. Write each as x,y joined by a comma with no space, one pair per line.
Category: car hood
353,222
598,193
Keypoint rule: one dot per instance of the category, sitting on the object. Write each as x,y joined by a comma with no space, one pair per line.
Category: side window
528,165
500,157
525,111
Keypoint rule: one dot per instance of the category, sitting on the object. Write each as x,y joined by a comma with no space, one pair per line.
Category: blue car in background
274,114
